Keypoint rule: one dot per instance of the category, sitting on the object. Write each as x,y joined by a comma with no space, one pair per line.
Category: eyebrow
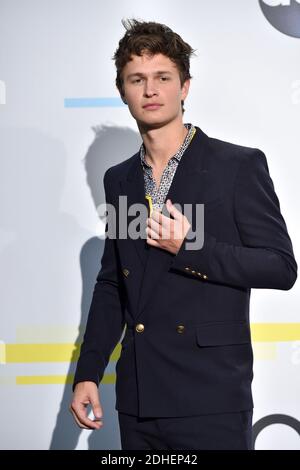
139,74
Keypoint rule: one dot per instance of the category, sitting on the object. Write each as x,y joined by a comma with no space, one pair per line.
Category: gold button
193,272
140,328
126,272
180,328
199,274
204,276
187,269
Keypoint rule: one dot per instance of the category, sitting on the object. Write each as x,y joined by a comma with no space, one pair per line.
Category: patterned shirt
157,196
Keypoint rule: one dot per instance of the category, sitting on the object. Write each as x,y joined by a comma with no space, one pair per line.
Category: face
153,80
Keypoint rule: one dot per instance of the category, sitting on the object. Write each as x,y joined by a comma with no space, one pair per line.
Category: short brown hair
152,38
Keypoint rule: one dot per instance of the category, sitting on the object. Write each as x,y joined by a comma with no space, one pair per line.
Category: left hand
166,233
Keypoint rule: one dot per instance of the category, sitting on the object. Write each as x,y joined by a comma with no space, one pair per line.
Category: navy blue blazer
187,343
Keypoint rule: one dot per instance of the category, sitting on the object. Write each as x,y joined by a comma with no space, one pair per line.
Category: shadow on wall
110,146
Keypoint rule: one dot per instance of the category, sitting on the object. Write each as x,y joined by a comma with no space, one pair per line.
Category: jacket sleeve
265,258
106,316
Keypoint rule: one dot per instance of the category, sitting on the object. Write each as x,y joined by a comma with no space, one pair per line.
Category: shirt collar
178,154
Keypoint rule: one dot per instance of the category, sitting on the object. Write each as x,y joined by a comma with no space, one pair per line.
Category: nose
150,89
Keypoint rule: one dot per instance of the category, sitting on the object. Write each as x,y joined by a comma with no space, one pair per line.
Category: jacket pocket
223,333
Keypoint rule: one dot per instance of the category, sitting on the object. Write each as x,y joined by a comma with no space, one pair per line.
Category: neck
163,142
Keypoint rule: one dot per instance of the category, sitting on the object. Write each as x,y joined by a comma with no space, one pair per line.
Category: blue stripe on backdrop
93,103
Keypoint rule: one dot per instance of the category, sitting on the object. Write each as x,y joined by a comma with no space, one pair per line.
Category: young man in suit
185,371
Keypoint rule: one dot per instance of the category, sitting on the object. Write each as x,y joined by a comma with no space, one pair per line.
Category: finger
163,221
80,411
88,423
152,242
173,210
157,216
165,231
155,226
152,233
77,420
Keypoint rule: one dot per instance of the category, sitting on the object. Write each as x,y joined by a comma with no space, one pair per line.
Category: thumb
173,210
96,407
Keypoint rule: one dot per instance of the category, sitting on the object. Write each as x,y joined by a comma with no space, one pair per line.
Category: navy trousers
224,431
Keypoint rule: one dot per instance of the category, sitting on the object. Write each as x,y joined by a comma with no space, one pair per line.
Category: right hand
86,393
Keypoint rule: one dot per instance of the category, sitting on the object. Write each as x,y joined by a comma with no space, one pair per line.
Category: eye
164,78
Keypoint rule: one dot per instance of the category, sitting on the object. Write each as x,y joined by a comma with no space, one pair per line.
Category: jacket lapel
133,187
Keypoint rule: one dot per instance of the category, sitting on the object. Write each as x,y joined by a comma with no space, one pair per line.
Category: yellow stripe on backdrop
275,332
56,379
55,352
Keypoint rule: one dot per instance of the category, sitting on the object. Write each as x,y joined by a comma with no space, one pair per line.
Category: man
185,371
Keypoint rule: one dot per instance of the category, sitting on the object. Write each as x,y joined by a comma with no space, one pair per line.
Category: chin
155,122
151,125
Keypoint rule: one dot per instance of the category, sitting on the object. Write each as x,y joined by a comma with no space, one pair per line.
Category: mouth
152,106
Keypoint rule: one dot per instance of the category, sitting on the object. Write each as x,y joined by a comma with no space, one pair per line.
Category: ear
185,89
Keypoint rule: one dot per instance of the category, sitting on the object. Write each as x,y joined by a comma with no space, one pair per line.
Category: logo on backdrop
284,15
275,419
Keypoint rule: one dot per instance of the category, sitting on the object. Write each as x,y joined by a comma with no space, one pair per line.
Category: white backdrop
54,149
